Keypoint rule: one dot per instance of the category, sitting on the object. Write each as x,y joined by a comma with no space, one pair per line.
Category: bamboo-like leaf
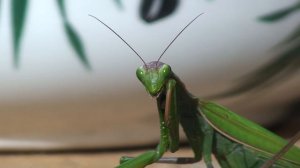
281,67
278,15
18,15
76,44
62,9
73,37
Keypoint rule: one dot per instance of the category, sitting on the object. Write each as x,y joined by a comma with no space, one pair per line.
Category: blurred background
68,83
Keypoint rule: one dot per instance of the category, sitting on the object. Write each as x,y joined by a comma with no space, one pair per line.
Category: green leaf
278,69
18,15
76,44
278,15
73,37
62,10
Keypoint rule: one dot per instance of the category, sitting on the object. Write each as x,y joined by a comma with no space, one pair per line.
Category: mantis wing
246,132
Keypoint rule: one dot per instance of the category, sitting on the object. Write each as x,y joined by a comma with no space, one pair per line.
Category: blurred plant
18,9
283,66
287,62
280,14
18,16
72,35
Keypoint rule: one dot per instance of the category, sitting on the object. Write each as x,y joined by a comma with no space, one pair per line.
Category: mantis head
154,76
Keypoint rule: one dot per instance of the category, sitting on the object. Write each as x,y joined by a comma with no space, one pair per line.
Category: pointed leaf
280,14
18,14
73,37
76,44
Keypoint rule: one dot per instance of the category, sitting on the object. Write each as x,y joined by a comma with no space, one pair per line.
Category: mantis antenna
178,36
119,37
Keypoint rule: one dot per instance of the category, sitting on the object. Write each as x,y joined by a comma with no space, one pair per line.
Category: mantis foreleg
151,156
168,118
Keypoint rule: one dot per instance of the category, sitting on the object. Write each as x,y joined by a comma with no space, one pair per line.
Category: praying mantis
210,128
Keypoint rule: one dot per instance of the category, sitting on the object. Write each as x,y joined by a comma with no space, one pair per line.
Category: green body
210,128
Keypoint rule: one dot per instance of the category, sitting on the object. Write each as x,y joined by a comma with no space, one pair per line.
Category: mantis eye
140,73
166,70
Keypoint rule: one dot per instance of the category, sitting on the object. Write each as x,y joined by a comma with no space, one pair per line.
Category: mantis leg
199,134
171,116
207,143
148,157
169,131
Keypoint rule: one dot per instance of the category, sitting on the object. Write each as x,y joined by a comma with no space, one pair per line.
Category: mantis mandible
210,128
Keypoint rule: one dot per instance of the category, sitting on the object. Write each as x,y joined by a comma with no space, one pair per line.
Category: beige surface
101,160
104,160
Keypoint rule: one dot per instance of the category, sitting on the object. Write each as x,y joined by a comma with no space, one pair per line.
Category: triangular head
154,76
